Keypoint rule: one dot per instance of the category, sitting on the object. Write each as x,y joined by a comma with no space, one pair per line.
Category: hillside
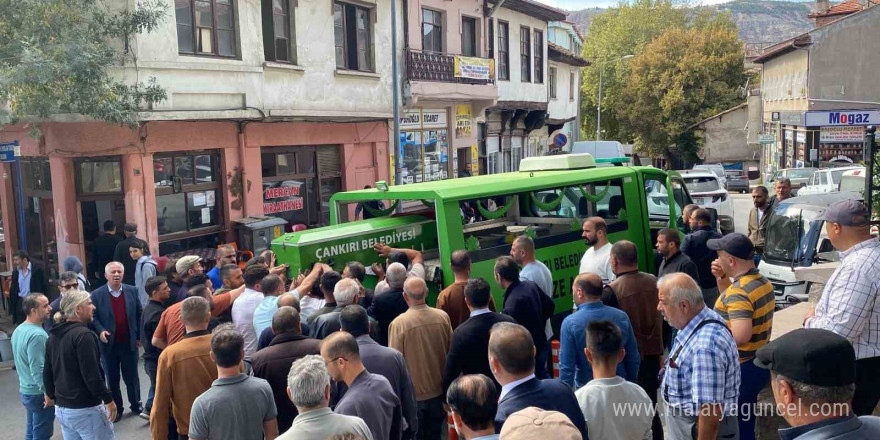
759,21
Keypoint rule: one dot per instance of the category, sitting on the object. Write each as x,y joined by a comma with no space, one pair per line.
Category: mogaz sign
842,117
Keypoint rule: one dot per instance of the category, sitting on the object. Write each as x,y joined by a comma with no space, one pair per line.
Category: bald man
423,334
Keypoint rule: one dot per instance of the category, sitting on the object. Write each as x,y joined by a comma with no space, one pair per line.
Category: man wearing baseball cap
849,305
746,304
187,267
813,373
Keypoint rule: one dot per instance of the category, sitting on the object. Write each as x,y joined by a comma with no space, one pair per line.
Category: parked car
853,181
715,168
825,180
737,181
798,176
706,190
795,238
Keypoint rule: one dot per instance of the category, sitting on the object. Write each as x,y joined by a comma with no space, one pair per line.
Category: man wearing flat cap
746,304
850,305
813,372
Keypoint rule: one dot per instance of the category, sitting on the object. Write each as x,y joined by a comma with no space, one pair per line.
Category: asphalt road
12,414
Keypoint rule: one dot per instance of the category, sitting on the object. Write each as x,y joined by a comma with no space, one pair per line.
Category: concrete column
253,178
151,231
7,207
68,233
133,187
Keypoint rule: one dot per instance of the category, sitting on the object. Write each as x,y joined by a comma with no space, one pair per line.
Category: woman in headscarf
74,264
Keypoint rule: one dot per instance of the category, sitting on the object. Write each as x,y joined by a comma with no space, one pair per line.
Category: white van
599,149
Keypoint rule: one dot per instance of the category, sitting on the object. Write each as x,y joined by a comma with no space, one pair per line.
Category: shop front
841,145
424,145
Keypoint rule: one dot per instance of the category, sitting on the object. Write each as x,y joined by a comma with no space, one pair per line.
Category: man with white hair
118,325
308,386
391,304
423,335
701,376
346,293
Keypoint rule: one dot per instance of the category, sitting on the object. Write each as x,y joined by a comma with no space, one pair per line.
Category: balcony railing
439,67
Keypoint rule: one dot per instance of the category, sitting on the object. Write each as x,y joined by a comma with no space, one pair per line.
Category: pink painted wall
68,235
365,159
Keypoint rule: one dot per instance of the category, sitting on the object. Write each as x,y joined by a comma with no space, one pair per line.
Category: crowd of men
240,353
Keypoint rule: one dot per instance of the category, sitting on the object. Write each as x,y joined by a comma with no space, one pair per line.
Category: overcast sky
575,5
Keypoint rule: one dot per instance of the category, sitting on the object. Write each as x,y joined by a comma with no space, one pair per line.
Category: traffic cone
453,434
555,349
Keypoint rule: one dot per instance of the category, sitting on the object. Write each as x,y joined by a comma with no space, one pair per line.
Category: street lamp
599,108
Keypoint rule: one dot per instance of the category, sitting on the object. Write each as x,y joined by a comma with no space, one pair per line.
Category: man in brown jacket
422,334
451,299
635,293
759,217
185,371
273,362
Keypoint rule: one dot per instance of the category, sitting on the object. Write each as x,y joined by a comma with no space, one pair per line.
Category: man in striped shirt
746,304
849,305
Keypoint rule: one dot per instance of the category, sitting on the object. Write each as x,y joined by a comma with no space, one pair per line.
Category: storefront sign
463,117
835,135
415,119
767,139
800,137
292,200
9,151
842,117
789,135
473,68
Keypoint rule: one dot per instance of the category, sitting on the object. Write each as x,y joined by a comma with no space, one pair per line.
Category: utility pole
870,150
395,94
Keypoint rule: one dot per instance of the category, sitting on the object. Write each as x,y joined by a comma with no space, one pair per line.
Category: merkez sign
842,117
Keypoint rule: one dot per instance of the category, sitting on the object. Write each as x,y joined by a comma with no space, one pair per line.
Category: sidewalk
7,327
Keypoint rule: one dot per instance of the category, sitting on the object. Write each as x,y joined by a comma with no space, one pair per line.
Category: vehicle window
823,178
835,176
788,234
657,197
800,173
680,196
601,200
701,184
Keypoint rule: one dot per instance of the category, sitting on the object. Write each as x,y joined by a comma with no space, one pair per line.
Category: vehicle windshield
800,173
788,234
701,184
835,175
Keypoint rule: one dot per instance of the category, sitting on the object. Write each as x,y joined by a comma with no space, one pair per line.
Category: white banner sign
830,135
842,117
416,119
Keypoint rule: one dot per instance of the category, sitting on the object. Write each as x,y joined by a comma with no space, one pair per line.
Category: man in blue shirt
574,370
29,350
225,255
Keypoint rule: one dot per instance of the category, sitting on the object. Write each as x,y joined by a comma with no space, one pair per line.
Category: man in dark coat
468,351
512,357
526,303
26,279
102,251
121,253
273,362
390,304
118,325
694,246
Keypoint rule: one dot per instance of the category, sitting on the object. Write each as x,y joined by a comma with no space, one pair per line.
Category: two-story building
822,70
449,82
272,107
563,81
519,47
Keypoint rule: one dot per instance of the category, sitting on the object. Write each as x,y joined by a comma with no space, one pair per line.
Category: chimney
823,5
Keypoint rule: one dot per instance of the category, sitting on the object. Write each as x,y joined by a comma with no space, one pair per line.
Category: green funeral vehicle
547,199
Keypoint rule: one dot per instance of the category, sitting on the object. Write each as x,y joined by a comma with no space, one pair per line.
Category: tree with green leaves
622,30
65,56
683,76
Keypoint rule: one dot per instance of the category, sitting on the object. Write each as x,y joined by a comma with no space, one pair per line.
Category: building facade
821,70
519,48
563,82
449,82
259,120
732,137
